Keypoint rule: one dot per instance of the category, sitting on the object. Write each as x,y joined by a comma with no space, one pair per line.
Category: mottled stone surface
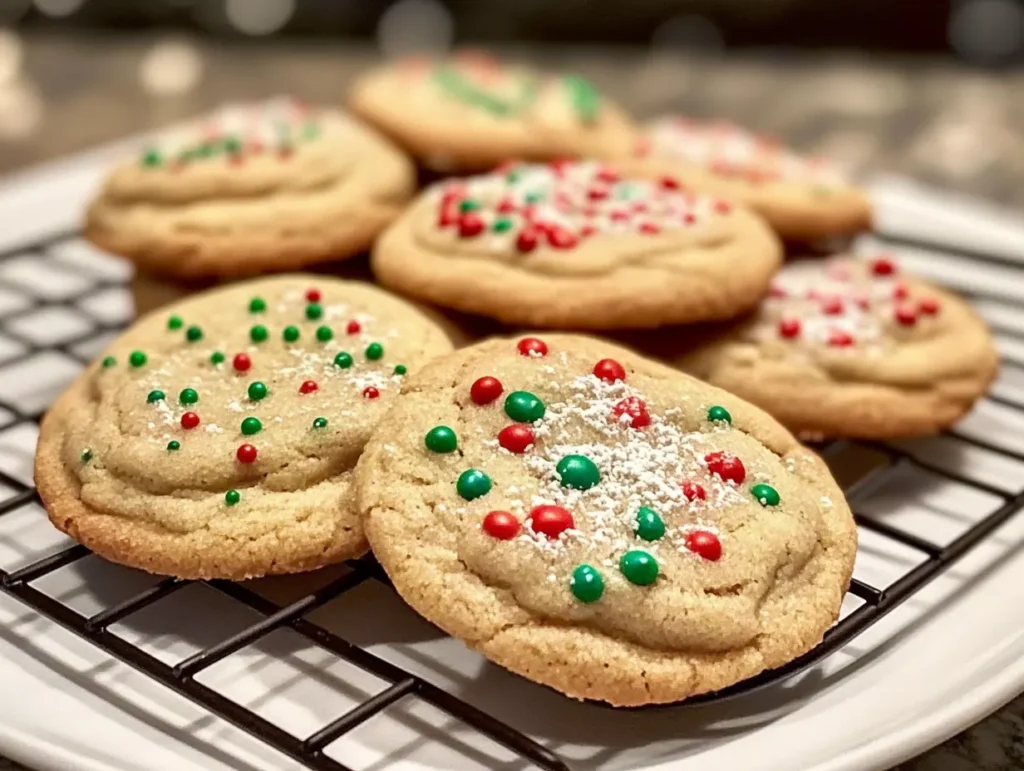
929,119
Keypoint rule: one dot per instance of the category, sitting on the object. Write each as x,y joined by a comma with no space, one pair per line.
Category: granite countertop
926,118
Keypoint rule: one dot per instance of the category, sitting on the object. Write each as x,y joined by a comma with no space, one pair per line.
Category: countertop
927,118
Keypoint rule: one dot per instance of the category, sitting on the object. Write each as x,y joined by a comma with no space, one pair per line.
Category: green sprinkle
151,158
232,145
766,495
188,396
231,497
193,334
251,426
320,423
257,305
257,390
533,197
310,131
109,362
719,414
586,584
174,322
173,446
324,334
290,334
343,360
400,369
441,439
137,359
374,351
468,205
502,225
314,311
216,358
155,396
86,456
258,333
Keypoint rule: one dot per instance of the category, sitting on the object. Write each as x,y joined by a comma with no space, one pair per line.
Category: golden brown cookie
217,438
472,112
268,187
804,199
601,524
572,244
847,347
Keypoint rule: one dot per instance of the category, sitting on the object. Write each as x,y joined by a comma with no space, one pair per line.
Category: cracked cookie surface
602,524
255,188
217,437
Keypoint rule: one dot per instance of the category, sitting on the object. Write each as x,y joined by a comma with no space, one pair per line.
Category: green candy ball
578,472
586,584
441,439
251,426
343,360
649,526
257,390
524,407
766,495
639,567
374,351
719,415
472,484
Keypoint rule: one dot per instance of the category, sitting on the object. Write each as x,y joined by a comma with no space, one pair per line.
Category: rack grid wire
310,751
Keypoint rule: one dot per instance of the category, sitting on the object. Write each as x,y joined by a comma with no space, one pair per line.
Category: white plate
940,662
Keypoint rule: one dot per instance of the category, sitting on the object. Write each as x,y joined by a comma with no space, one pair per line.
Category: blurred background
929,88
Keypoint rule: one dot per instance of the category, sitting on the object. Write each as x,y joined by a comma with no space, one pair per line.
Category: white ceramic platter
938,663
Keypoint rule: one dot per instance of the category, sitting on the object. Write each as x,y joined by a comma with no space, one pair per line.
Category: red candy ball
668,183
246,453
308,387
527,239
313,295
506,206
532,346
929,306
727,466
353,327
636,408
833,306
370,392
561,239
705,544
189,420
470,225
789,328
485,390
694,491
515,438
905,316
610,370
883,266
900,292
501,525
551,520
241,362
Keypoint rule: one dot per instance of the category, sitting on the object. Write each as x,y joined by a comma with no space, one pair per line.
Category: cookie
573,244
601,524
260,188
804,199
472,112
217,438
847,347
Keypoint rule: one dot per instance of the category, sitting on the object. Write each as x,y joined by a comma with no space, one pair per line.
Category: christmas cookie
848,347
259,188
572,244
472,112
804,199
602,524
217,438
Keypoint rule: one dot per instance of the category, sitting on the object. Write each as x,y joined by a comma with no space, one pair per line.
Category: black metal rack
182,677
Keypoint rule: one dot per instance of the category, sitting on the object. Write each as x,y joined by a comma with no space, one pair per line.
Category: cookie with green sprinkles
471,111
250,189
220,454
638,537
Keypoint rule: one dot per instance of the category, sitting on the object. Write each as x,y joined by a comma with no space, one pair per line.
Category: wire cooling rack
60,302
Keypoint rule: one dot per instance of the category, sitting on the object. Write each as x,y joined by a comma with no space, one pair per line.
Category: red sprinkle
246,453
619,216
527,239
840,339
905,315
485,390
501,525
370,392
689,219
587,230
506,206
649,228
727,466
610,370
789,328
928,306
669,183
607,175
308,387
694,491
313,295
722,207
833,306
900,292
597,193
532,346
777,291
470,225
551,520
705,544
189,420
515,438
561,238
883,266
636,408
354,327
241,362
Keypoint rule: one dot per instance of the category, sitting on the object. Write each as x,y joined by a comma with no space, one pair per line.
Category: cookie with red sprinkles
602,524
848,347
803,198
471,111
576,245
216,438
251,189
